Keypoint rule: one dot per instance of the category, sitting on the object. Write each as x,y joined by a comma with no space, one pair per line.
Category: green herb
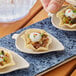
28,36
0,53
33,35
40,42
74,11
42,34
70,22
4,59
62,14
64,19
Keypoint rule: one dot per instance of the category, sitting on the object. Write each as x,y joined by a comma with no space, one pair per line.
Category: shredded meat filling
69,20
42,43
73,21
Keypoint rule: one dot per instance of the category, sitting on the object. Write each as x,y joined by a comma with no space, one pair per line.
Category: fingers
45,3
54,5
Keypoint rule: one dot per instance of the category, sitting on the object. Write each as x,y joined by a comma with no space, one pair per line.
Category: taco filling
69,16
38,39
4,58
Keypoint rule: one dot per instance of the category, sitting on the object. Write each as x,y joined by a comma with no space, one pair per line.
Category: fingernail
52,8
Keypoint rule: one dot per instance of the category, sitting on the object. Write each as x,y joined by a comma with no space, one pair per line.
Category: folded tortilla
28,42
10,61
60,15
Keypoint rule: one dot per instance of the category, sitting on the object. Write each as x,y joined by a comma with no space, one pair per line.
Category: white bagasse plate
20,44
55,21
20,63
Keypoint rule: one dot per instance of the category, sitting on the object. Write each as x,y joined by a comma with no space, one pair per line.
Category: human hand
52,5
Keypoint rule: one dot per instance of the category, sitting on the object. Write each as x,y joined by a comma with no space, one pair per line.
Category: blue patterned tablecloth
41,62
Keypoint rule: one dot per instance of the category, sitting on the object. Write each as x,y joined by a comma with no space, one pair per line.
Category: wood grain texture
74,73
40,16
62,70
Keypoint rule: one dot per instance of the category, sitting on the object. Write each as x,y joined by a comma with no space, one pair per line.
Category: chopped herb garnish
28,36
42,34
62,14
40,42
4,59
70,22
34,35
0,53
74,11
65,19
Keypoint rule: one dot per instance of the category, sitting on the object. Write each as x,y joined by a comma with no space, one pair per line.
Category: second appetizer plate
20,63
56,45
55,21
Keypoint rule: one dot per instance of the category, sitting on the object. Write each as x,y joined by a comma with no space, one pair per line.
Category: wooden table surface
36,14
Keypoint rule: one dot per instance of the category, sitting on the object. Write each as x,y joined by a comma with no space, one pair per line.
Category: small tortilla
27,40
10,61
60,15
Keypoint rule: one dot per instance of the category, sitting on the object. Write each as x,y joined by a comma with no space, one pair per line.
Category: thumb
54,5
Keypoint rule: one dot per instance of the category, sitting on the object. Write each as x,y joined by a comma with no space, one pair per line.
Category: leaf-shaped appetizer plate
55,21
20,63
20,44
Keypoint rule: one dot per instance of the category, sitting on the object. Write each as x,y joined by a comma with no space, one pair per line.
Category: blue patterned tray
41,62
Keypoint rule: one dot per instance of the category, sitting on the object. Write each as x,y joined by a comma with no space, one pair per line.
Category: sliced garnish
74,11
4,59
42,34
70,22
